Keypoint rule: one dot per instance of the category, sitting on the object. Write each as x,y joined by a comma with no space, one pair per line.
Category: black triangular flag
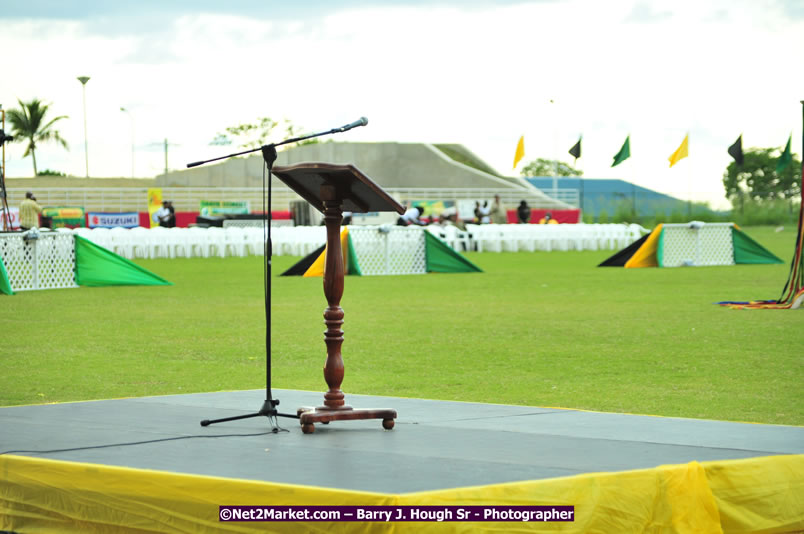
575,151
736,150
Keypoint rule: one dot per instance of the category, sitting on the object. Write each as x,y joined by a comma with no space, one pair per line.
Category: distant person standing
170,222
29,212
548,219
498,213
523,213
162,216
485,213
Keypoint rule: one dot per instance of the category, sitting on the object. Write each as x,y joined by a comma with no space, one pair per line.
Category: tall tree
29,124
758,177
547,167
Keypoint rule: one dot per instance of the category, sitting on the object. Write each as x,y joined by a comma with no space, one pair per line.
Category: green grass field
540,329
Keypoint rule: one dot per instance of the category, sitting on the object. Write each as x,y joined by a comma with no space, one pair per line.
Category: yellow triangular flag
520,151
681,152
317,268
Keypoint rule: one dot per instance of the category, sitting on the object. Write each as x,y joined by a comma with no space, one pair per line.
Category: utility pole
164,145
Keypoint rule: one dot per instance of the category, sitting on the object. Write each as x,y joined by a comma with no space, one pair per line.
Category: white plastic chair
255,243
179,242
158,242
102,237
525,239
235,240
197,241
121,242
140,240
217,241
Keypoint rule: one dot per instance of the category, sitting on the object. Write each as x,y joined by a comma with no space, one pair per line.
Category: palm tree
28,124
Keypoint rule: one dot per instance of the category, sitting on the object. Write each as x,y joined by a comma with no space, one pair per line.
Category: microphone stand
269,155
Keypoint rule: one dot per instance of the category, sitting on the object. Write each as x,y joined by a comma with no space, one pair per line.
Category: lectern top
359,192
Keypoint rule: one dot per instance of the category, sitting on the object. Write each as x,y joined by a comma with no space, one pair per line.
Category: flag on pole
786,157
736,150
624,153
520,151
575,151
681,152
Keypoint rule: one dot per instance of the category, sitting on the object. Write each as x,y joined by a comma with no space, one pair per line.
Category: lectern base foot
323,415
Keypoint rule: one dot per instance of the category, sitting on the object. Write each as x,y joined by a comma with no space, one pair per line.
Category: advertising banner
10,220
154,204
434,207
113,220
224,207
65,216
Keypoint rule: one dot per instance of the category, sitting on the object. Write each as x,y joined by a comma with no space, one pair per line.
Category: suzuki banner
114,220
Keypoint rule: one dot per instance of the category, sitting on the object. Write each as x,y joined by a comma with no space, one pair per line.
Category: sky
480,73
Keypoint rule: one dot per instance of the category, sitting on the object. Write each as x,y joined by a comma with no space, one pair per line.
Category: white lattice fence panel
44,263
55,261
717,245
389,249
18,258
710,244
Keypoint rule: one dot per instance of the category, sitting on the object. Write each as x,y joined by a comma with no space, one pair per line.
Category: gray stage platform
435,445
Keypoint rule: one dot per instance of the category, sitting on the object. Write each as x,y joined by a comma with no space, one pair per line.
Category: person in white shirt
485,212
162,215
411,216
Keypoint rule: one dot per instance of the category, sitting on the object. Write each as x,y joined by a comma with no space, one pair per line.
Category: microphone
362,121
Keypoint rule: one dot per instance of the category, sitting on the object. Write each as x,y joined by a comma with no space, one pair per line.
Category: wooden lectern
333,189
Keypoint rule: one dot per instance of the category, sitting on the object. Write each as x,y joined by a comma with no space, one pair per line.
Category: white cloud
481,76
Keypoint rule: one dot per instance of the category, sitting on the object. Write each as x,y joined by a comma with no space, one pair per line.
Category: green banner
224,207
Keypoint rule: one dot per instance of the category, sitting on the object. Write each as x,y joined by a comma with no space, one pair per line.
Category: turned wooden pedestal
335,408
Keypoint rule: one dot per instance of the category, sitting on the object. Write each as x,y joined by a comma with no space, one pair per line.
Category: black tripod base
268,410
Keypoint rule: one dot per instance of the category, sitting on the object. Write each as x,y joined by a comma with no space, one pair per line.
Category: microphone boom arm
362,122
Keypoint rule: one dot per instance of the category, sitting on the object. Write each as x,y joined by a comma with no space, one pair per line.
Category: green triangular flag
746,250
354,265
575,151
736,151
95,266
5,285
624,153
786,157
441,258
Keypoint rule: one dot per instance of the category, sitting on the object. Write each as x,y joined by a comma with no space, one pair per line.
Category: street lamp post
84,80
555,148
130,116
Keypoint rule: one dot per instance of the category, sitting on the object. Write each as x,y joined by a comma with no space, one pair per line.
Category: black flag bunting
736,150
575,151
